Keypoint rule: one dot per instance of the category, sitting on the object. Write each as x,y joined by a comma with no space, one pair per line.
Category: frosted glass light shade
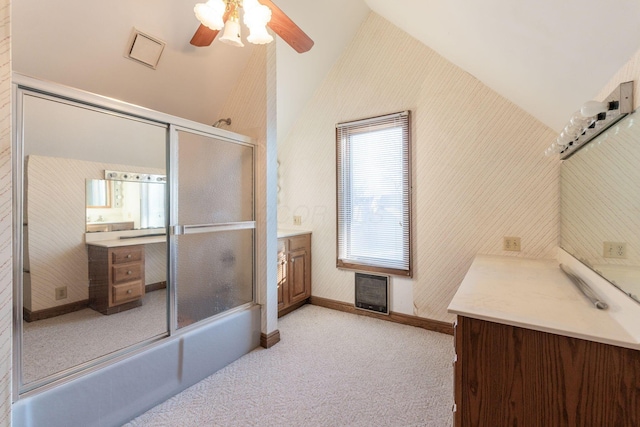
256,17
593,108
259,35
210,13
231,34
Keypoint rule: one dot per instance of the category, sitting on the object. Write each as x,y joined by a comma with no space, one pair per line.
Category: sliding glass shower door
212,225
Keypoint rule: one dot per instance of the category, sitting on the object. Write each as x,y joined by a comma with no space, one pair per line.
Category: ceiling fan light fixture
231,34
210,13
259,35
256,18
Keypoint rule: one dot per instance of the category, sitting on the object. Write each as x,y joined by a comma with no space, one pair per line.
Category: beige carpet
53,345
330,369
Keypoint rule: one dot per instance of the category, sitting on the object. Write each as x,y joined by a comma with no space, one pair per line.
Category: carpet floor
62,342
329,369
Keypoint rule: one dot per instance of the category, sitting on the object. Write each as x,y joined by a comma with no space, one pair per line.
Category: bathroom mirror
125,205
600,205
67,325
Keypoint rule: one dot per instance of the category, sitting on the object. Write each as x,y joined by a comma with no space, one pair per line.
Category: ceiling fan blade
288,31
204,35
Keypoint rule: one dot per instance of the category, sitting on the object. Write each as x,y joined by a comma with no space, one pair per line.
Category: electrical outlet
511,244
61,293
614,249
297,220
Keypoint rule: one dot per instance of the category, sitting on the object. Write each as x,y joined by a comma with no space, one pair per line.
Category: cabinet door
300,276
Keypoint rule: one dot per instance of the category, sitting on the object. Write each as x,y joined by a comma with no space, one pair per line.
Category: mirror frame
23,84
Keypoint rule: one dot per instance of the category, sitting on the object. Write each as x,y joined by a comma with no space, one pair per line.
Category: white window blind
374,197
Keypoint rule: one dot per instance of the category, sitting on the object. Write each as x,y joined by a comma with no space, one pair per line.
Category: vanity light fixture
134,176
592,119
256,16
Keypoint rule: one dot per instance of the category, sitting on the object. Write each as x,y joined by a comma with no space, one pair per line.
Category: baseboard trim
292,307
155,286
268,341
47,313
32,316
405,319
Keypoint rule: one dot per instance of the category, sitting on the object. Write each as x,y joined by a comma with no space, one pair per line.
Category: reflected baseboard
32,316
155,286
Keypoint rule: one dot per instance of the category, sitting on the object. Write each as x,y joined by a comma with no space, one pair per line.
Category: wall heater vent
372,293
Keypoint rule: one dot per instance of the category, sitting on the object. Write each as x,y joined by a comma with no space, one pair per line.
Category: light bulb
210,13
231,34
256,17
593,108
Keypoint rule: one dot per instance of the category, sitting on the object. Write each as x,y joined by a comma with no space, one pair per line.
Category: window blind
373,192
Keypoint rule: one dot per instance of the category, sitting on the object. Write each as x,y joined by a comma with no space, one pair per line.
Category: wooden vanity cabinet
116,278
294,272
508,376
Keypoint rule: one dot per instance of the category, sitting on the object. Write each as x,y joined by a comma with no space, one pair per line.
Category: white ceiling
546,56
82,44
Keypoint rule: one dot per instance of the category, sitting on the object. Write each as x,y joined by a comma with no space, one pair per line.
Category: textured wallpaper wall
479,172
6,283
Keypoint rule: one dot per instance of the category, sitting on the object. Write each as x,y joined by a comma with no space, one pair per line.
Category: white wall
478,167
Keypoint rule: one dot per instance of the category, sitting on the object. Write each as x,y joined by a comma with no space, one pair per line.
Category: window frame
379,122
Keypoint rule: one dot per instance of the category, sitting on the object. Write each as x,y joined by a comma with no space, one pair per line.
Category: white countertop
534,294
116,243
292,232
112,240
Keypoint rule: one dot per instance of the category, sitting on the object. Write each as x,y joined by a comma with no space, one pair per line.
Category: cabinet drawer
126,254
126,292
126,272
300,242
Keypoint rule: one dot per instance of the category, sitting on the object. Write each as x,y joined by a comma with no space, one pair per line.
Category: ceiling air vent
144,49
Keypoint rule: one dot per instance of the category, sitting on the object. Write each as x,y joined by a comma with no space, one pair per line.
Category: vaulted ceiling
546,56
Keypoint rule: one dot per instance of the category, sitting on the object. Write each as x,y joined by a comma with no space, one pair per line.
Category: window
374,194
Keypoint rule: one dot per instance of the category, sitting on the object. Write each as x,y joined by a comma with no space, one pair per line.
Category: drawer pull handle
129,291
129,256
129,272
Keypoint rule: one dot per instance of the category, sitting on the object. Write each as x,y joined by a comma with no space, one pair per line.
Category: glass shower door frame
176,229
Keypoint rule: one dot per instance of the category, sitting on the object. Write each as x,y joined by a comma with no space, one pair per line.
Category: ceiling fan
218,14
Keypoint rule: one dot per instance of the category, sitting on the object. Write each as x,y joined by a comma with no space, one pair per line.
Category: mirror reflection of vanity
600,205
127,201
70,211
117,205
